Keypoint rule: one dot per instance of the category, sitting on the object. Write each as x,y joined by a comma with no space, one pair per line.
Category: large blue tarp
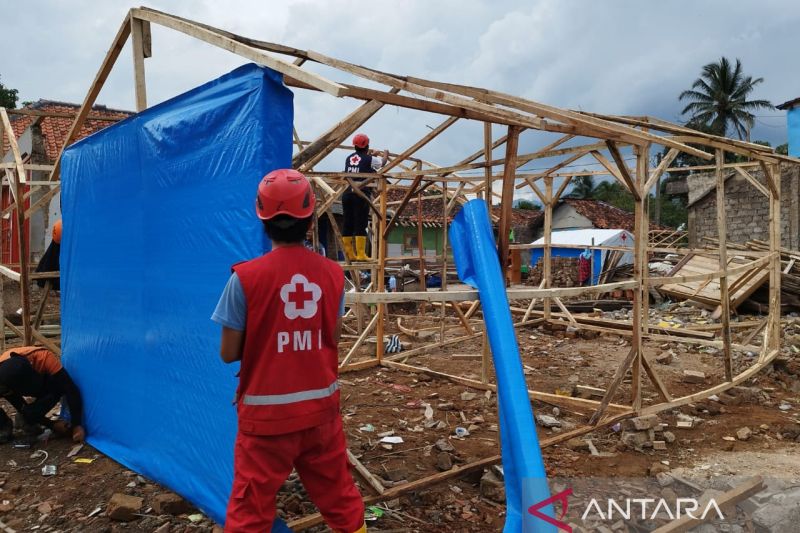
156,209
525,478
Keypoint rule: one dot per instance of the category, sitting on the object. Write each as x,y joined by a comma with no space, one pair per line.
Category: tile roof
55,129
432,211
603,215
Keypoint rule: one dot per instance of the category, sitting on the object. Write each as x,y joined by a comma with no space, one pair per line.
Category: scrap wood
371,480
727,499
315,519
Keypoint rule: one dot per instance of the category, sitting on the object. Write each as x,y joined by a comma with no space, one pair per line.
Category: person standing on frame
354,206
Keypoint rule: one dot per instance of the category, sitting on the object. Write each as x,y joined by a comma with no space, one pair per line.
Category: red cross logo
300,297
355,159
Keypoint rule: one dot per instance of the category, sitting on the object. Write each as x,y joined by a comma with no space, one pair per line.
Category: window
410,244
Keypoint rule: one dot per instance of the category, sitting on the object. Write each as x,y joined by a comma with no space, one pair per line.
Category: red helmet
284,192
360,140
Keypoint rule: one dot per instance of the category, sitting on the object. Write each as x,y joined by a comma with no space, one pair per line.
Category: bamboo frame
600,137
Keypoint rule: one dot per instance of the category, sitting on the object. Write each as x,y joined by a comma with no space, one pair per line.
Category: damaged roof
55,129
432,210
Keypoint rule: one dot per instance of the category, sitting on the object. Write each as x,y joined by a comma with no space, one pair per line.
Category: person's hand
78,434
60,427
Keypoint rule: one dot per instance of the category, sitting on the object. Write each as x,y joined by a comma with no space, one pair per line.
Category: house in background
792,108
573,213
746,210
403,237
40,139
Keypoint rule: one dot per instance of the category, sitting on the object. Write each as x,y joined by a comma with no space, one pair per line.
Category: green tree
527,204
8,97
582,187
782,149
718,99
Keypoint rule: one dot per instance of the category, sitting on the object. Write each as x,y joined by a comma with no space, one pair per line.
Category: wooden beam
662,166
724,294
624,172
746,175
726,501
507,200
219,39
419,144
547,256
140,87
329,141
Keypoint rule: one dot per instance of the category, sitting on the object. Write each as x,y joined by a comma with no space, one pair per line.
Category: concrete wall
746,209
564,217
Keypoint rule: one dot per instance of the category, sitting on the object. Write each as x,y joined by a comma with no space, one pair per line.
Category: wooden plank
330,140
419,144
726,501
471,295
140,86
507,200
584,123
746,175
662,166
360,340
619,374
366,475
724,295
217,38
624,172
20,234
10,274
547,256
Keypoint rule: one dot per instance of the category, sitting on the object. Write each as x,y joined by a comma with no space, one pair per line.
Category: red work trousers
262,464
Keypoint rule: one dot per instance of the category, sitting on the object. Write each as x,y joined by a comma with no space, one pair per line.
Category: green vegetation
8,97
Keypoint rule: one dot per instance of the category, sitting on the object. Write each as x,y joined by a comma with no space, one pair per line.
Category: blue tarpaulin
525,478
156,210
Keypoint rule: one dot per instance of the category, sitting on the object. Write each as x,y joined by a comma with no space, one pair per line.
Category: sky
616,56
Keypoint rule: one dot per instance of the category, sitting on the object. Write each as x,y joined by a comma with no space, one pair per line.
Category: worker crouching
281,317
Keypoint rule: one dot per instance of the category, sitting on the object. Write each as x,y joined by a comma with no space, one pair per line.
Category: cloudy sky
622,57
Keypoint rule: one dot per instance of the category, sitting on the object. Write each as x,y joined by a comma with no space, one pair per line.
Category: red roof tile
605,216
55,129
432,210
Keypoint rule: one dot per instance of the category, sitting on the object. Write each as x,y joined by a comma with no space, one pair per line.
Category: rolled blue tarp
476,259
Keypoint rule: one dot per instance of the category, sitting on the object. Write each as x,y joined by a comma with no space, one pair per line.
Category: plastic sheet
156,209
793,131
525,478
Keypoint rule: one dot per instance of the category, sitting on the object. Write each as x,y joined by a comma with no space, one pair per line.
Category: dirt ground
382,402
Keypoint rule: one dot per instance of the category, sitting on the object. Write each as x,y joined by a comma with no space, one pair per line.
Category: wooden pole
444,255
548,251
507,199
639,272
775,263
724,295
487,171
137,36
420,246
379,254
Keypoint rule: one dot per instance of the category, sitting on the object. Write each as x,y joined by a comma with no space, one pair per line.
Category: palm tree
582,187
718,99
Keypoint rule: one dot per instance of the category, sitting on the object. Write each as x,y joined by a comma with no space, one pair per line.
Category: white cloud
627,57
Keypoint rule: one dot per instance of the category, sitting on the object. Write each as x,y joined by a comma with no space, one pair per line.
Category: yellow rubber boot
361,249
347,242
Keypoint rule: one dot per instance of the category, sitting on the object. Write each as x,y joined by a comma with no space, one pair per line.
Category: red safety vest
289,371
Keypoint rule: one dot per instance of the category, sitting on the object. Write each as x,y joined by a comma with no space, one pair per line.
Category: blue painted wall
793,126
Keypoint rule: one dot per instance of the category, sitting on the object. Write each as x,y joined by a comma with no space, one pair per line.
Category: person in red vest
281,317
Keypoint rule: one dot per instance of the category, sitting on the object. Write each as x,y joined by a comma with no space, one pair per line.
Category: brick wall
746,209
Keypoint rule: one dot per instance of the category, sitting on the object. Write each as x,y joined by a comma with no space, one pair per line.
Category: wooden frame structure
610,141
